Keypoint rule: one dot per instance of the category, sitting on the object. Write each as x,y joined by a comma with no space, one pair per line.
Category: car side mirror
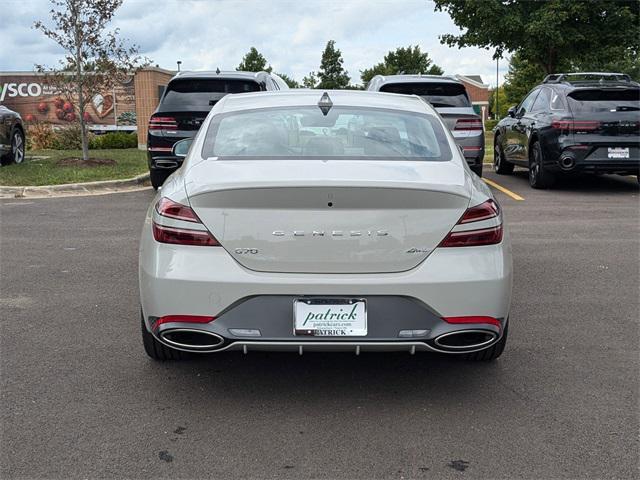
181,148
512,112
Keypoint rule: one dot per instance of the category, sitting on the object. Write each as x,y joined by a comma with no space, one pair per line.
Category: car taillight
468,124
178,235
171,209
575,125
163,123
488,235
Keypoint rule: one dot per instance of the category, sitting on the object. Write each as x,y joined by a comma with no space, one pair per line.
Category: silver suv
449,97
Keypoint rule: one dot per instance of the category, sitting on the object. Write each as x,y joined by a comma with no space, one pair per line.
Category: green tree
548,33
503,103
409,60
253,61
289,80
522,76
332,74
310,81
95,58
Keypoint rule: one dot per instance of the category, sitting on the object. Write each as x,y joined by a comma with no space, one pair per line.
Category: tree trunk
80,83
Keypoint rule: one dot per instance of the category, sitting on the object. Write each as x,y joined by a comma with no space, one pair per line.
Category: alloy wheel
17,146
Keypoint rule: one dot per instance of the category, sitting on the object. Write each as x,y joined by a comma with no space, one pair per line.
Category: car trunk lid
328,216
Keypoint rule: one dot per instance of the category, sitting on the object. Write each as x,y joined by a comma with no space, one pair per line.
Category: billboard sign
36,101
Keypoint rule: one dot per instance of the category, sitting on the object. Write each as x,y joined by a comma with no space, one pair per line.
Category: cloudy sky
291,34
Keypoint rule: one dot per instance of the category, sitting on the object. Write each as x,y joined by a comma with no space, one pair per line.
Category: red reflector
473,149
182,319
468,124
473,238
484,211
183,236
474,319
171,209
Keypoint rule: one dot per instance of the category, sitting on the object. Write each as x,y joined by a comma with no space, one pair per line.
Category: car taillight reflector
168,208
473,319
468,124
182,319
484,211
163,123
183,236
575,125
473,238
481,236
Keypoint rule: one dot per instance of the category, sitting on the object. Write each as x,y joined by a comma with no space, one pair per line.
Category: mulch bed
91,162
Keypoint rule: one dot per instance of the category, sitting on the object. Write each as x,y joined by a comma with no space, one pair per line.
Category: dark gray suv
12,145
449,97
185,103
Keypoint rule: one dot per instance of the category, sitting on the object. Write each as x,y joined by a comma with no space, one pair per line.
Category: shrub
490,124
114,140
40,136
68,138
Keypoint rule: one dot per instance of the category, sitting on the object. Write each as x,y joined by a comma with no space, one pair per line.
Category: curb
104,186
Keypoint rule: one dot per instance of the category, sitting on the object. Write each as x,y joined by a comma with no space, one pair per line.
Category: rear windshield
202,94
344,133
598,100
437,94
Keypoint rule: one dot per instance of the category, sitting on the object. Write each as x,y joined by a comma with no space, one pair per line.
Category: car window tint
597,100
344,133
525,106
437,94
542,101
199,94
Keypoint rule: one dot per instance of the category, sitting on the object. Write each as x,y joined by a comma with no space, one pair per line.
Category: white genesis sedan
324,221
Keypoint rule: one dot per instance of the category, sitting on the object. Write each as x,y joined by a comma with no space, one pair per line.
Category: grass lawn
488,147
44,171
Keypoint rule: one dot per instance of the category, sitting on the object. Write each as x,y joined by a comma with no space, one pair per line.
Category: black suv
185,103
571,123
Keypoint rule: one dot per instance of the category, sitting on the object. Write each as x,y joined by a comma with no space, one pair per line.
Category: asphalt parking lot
79,397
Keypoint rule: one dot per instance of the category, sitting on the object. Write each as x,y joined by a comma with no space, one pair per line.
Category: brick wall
147,82
477,94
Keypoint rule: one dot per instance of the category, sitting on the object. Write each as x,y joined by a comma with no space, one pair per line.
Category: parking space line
506,191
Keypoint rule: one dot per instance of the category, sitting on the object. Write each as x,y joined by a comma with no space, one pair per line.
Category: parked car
450,99
575,122
12,136
184,105
338,220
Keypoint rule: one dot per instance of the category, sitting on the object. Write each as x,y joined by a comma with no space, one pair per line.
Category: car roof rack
589,77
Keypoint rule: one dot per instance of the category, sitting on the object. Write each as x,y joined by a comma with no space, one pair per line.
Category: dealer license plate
618,152
330,317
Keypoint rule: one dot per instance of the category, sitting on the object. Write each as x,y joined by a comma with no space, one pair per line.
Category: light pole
179,62
497,89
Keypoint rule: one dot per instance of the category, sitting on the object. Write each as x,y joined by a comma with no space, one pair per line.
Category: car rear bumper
207,281
473,148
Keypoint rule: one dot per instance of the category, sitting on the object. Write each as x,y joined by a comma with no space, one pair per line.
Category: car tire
539,176
477,169
500,164
157,178
155,349
16,154
491,353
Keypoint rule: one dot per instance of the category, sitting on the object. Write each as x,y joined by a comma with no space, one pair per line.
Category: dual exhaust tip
191,339
464,340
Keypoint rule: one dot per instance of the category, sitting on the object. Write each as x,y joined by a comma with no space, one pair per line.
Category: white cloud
206,34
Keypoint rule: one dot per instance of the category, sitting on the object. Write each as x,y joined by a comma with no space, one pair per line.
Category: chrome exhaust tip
191,339
567,162
466,340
